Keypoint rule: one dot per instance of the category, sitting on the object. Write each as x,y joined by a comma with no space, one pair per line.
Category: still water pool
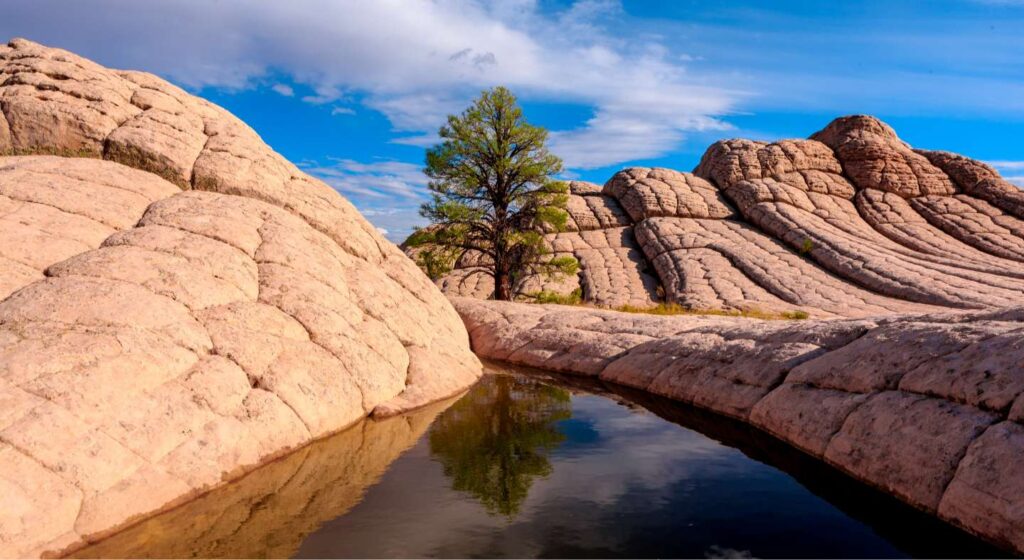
539,466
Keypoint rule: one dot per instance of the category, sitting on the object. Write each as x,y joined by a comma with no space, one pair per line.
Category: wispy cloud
426,62
378,179
387,192
283,89
1007,165
396,222
1012,171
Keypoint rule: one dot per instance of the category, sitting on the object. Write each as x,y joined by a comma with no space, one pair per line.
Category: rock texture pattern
270,511
916,382
850,223
929,408
179,303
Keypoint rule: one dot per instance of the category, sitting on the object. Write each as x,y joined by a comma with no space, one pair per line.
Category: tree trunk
502,285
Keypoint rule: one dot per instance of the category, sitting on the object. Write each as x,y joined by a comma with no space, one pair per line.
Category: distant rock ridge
852,222
179,303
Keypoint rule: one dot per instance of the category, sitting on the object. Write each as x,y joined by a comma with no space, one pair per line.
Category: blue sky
353,91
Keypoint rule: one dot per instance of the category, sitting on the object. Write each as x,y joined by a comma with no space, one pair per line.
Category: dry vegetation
576,298
676,309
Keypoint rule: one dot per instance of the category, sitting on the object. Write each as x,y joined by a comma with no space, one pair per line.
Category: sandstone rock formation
929,408
179,303
916,382
270,511
852,222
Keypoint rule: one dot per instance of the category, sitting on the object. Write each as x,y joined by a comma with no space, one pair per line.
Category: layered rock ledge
179,303
929,408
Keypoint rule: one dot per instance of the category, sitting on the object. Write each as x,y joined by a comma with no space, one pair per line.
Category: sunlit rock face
269,512
851,223
179,303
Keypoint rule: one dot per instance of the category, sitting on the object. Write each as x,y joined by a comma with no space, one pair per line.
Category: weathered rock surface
925,407
180,305
852,222
271,510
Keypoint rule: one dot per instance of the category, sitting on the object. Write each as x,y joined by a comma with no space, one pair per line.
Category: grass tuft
676,309
46,151
806,247
574,297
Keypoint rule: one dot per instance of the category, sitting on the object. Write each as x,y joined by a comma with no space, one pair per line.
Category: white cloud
342,111
397,222
379,179
325,93
284,89
420,140
415,62
388,193
1010,170
1007,165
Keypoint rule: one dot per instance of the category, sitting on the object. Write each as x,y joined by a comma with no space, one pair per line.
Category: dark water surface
525,466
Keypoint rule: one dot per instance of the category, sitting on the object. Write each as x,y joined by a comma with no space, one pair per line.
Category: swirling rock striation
852,222
179,303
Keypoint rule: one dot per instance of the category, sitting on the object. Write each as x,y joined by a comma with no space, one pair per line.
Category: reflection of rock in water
494,442
271,510
909,529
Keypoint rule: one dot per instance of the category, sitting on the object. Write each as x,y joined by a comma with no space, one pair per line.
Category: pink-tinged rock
987,373
976,223
155,343
613,271
594,211
907,444
39,505
979,179
986,494
728,376
804,416
648,193
879,359
83,456
875,158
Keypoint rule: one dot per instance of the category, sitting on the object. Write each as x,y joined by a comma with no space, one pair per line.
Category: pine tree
493,194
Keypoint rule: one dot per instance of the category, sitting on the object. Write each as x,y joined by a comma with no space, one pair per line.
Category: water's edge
270,510
353,457
899,521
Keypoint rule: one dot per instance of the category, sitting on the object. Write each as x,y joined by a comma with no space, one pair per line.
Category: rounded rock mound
179,303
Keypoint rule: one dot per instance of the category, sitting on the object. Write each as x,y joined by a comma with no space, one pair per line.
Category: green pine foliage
493,193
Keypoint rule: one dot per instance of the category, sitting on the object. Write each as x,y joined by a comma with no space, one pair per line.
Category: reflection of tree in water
495,441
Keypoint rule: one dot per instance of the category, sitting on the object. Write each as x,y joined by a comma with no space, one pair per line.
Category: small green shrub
806,247
574,297
795,315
